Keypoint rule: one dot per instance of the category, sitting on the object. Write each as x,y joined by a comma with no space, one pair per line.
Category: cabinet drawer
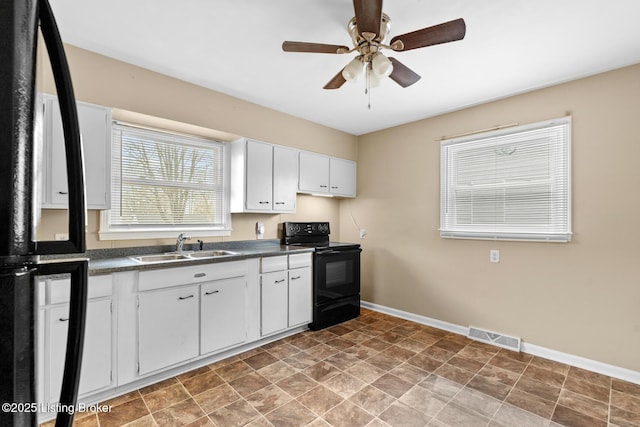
59,290
300,260
274,263
167,277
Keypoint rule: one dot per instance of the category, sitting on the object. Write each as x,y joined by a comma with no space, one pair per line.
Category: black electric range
336,272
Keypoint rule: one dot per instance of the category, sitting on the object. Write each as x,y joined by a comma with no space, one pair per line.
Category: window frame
557,230
109,232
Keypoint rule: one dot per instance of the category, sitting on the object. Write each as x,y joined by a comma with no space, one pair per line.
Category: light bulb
374,80
381,65
353,70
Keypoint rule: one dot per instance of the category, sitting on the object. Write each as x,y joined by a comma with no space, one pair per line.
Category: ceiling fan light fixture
381,65
353,70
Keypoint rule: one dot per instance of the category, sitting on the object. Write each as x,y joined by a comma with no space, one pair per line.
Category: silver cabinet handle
278,281
295,278
187,297
263,203
199,275
63,192
323,186
63,319
279,203
212,292
334,187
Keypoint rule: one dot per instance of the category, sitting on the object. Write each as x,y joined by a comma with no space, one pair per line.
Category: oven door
336,274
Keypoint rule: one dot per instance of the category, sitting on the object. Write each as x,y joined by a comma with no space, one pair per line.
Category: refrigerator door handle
78,268
73,143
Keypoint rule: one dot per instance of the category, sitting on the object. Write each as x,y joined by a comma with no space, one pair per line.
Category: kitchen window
164,184
510,184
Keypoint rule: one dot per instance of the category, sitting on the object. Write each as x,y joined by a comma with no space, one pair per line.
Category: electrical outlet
61,236
494,255
363,233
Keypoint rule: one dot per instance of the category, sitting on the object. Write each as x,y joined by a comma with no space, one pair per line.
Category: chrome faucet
180,241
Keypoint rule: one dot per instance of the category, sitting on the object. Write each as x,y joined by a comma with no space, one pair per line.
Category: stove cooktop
311,235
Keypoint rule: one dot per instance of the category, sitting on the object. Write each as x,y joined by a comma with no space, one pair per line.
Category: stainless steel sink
147,259
210,254
182,256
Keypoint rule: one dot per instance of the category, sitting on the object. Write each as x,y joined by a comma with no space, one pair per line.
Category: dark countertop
106,261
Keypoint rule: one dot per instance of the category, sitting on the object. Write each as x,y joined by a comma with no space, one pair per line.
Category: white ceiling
234,47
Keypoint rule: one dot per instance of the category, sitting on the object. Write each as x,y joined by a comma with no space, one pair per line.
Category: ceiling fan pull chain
367,89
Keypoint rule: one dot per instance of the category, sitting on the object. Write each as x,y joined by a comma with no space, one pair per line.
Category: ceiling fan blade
288,46
368,15
336,82
442,33
402,74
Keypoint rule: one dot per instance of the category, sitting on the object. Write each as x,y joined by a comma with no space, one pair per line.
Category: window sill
159,234
518,237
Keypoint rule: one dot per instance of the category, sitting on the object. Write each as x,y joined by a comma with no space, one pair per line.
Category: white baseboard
536,350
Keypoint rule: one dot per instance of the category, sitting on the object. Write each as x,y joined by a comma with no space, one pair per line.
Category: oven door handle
334,252
328,252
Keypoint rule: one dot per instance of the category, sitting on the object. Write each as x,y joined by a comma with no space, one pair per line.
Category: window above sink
164,181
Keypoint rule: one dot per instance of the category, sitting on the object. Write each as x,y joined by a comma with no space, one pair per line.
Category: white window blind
169,182
512,184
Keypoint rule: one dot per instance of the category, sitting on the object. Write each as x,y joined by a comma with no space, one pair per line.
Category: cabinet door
285,179
342,176
96,142
167,327
259,176
96,359
40,356
313,173
273,302
300,296
222,314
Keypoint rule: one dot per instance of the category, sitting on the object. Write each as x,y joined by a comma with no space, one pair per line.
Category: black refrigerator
22,258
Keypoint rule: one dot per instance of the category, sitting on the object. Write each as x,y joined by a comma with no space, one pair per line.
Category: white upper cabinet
285,178
259,176
263,177
314,173
320,174
342,177
95,130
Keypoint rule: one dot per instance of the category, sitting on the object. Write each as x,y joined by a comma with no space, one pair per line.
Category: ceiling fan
368,29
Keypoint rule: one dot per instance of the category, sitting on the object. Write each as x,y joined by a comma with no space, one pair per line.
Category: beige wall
582,297
101,80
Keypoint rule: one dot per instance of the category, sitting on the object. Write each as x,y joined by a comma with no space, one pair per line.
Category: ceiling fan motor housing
385,27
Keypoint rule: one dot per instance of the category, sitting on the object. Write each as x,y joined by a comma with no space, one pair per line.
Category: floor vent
494,338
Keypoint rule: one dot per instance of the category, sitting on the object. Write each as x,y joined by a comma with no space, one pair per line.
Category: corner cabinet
95,130
263,177
325,175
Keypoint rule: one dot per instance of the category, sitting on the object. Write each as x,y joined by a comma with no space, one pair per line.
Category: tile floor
379,370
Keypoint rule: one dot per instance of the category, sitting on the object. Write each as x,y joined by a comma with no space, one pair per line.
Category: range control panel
314,234
306,229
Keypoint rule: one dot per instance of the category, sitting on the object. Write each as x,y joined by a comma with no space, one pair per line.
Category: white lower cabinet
141,324
273,297
96,373
223,319
167,327
188,312
96,360
285,292
299,296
